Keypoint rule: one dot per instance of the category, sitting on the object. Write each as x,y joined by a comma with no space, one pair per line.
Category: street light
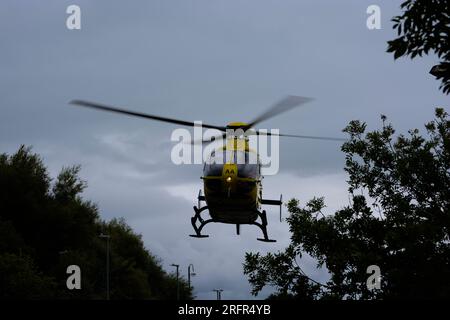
190,274
107,237
178,286
218,293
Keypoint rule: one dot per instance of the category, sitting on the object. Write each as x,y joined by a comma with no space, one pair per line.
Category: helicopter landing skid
197,216
198,229
263,226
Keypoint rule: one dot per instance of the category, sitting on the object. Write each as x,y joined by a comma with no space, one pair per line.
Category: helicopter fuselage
235,202
233,189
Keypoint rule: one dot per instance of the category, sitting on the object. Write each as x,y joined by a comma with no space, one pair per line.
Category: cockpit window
214,165
212,169
248,170
247,163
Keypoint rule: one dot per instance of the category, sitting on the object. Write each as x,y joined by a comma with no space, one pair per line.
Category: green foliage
67,185
45,227
398,219
20,279
424,27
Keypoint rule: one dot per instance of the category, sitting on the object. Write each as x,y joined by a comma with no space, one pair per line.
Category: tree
424,27
19,279
45,227
398,219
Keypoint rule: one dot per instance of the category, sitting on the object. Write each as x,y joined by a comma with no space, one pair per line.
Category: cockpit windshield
212,169
247,163
214,165
247,170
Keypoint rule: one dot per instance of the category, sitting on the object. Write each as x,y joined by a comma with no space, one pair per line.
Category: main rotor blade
224,136
284,105
98,106
301,136
205,141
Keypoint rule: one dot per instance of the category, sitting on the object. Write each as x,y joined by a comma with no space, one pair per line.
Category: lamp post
178,286
218,293
190,274
107,237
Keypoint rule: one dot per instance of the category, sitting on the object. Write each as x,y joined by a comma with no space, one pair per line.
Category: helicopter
232,184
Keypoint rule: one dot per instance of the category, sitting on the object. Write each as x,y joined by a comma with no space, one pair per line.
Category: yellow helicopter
232,184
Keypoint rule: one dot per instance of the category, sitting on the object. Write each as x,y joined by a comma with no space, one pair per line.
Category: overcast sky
209,60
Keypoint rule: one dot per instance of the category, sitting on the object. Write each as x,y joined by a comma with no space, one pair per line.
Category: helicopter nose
229,174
